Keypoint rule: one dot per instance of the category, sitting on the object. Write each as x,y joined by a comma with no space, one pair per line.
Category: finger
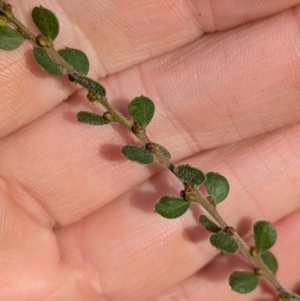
127,243
223,88
212,280
110,45
70,178
66,154
154,27
26,246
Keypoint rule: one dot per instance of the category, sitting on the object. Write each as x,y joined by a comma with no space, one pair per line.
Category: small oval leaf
270,261
46,21
264,235
91,118
217,186
208,224
10,39
224,242
190,174
171,207
89,84
45,62
76,58
243,282
137,154
142,110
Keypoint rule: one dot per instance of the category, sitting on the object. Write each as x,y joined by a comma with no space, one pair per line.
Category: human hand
77,220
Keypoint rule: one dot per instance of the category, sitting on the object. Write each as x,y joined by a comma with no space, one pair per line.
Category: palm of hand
77,220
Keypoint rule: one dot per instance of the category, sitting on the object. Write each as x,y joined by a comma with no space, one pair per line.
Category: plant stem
21,28
244,248
160,157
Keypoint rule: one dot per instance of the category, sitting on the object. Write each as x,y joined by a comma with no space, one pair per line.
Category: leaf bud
229,230
9,9
43,41
3,20
93,97
253,251
258,271
108,116
189,197
188,187
152,147
137,128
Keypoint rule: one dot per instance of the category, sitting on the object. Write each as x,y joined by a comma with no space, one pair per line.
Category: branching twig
191,194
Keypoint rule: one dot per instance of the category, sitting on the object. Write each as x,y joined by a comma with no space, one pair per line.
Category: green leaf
45,63
142,110
243,282
217,186
190,174
264,235
270,261
137,154
208,224
91,118
46,21
76,58
224,242
10,39
171,207
89,84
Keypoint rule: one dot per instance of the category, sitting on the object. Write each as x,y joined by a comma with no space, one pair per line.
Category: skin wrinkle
83,259
195,15
184,293
291,149
39,213
203,23
212,27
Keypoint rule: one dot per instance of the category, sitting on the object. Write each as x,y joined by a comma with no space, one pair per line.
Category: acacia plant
207,189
